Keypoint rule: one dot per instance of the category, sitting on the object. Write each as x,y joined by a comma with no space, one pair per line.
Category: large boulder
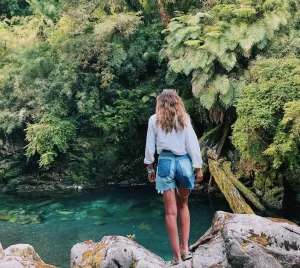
21,256
233,240
246,240
113,251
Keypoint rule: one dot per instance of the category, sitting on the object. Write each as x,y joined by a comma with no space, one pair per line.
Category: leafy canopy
267,128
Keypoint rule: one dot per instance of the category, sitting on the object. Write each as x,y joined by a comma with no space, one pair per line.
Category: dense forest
79,80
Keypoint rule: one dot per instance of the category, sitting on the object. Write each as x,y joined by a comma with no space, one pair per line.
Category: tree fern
199,82
213,43
208,100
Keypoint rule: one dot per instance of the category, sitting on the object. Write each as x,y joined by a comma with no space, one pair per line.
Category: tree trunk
163,12
224,136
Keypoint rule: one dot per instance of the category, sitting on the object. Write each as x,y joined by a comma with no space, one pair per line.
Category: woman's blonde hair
170,111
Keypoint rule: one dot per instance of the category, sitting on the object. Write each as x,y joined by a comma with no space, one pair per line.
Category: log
248,194
236,202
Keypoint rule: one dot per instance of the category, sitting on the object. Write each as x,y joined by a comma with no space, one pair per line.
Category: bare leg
184,217
171,221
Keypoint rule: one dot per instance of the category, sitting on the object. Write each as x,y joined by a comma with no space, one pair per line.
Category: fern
199,82
170,77
176,65
207,100
221,84
211,44
228,98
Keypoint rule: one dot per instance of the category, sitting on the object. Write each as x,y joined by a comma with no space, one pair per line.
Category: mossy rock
269,187
4,218
13,172
100,223
25,221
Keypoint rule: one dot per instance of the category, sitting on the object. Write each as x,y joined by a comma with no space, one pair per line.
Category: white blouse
179,143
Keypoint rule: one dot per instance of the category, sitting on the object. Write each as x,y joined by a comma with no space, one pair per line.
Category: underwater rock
100,223
65,212
4,218
103,212
144,226
21,256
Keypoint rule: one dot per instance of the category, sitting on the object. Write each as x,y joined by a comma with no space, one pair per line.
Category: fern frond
228,61
256,32
221,84
199,82
207,100
170,77
228,99
176,65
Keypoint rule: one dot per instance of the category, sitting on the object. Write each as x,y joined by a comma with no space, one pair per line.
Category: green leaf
170,77
207,100
145,99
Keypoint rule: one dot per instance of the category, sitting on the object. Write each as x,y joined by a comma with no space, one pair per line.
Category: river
52,224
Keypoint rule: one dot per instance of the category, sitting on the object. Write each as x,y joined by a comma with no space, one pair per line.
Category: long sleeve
193,147
150,143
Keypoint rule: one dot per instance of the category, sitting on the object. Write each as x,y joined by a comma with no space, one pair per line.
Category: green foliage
213,46
267,129
57,71
129,110
10,8
48,137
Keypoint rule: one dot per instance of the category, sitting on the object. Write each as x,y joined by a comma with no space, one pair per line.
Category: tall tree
165,17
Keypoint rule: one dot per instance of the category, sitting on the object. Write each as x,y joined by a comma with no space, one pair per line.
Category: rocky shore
233,240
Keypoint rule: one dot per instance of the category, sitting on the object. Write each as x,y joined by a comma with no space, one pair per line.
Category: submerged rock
21,256
4,218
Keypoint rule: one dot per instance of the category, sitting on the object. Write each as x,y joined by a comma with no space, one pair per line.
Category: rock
244,240
4,218
233,240
114,251
1,252
21,256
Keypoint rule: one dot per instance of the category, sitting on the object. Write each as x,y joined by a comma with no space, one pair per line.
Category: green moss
269,186
12,173
261,239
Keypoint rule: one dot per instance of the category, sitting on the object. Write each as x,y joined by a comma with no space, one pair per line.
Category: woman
170,130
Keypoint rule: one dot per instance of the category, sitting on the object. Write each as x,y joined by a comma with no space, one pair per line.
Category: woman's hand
151,175
199,175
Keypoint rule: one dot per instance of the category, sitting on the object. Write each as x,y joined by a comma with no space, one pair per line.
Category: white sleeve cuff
147,162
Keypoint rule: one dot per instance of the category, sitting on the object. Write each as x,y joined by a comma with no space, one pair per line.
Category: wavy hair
170,111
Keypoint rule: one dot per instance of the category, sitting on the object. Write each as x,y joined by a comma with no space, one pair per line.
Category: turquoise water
53,224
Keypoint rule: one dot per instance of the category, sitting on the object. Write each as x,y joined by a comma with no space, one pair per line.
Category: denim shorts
174,171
